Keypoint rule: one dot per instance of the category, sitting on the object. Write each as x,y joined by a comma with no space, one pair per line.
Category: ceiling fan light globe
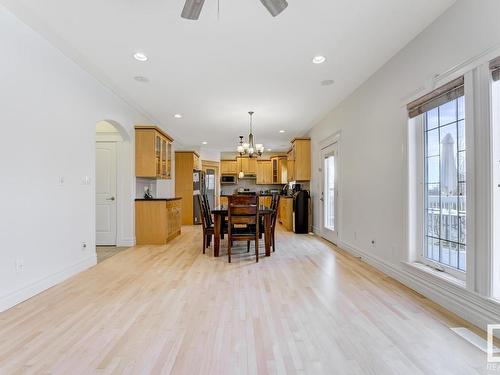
275,7
192,9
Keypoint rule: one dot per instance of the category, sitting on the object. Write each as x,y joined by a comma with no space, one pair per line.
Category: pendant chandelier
249,148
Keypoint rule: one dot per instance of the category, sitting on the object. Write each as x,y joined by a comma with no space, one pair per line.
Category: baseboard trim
26,292
125,242
470,306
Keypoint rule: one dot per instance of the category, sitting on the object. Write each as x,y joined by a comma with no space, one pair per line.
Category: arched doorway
113,185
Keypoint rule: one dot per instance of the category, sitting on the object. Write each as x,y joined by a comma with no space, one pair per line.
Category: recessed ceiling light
141,79
327,82
204,143
319,59
178,115
139,56
282,131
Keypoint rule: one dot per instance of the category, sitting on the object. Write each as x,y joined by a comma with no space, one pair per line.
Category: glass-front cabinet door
163,158
158,155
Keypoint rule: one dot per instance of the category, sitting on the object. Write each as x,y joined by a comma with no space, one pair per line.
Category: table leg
267,234
217,226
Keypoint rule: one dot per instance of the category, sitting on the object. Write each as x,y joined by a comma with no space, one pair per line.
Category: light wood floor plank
308,309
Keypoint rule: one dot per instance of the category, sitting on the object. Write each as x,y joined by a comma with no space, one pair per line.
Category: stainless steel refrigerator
198,188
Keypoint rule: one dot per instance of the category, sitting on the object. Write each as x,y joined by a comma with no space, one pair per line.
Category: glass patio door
329,195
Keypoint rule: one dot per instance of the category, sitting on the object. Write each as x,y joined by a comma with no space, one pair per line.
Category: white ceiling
215,70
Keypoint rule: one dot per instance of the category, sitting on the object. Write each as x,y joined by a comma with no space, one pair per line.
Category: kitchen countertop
157,199
258,194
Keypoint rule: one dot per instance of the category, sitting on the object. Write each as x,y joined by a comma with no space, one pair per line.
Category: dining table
221,212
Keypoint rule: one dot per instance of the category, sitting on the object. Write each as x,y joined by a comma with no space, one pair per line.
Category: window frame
418,139
477,86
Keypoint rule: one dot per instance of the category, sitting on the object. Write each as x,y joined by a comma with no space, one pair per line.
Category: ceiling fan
192,8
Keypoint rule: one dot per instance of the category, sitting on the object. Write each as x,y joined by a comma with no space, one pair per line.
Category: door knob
110,199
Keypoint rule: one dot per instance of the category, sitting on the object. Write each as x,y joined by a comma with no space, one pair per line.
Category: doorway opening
329,192
212,181
108,139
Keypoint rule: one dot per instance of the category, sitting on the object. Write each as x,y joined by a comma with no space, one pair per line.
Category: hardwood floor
308,309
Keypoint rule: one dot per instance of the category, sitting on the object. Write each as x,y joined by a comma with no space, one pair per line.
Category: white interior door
105,185
329,193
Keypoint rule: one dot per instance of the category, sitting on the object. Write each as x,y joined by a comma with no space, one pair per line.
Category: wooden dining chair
208,210
208,228
243,214
274,218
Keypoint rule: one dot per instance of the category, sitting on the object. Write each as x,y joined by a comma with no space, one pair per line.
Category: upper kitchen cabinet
279,169
299,160
153,152
228,167
247,165
264,172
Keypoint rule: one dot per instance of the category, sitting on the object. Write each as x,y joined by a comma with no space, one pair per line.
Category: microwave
228,179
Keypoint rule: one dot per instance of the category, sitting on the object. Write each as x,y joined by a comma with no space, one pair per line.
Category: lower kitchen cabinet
157,221
285,212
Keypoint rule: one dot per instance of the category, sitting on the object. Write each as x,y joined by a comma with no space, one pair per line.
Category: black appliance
198,188
301,201
297,187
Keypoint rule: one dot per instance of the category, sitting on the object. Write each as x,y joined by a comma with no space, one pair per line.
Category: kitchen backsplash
247,184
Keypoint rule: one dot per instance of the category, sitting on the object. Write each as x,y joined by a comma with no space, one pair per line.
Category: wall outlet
355,235
84,246
19,265
60,180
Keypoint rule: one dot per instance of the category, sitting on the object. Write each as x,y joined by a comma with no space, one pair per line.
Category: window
440,181
445,184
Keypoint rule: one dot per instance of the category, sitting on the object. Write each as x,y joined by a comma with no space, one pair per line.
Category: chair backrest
274,206
208,211
203,212
243,209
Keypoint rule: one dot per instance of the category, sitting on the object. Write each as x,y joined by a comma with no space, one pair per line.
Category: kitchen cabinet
229,167
264,172
279,168
299,158
247,165
157,221
285,213
153,153
185,163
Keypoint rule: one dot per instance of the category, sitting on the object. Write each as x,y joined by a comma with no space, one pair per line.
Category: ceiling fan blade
192,9
275,7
